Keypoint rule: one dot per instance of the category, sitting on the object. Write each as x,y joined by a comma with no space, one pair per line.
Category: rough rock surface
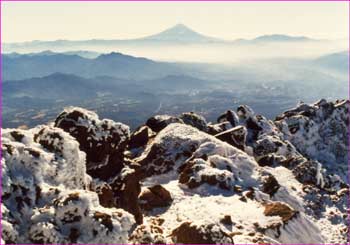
269,185
155,197
320,131
264,182
159,122
140,137
103,141
45,197
151,233
280,209
235,136
200,234
194,120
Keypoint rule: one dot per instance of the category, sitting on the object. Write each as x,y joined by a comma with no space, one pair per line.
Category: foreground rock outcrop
45,196
321,132
104,142
242,179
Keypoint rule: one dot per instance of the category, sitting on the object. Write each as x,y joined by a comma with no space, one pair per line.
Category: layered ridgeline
243,179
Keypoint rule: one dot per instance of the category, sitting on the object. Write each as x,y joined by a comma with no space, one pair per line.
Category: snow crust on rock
45,195
320,131
97,129
208,204
282,182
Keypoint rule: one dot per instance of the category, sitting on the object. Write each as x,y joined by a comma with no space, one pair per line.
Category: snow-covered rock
158,122
195,120
103,141
203,175
243,180
320,132
45,196
188,232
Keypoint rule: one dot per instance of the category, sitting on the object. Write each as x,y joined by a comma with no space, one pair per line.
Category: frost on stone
195,120
103,141
320,131
175,144
159,122
150,233
244,179
210,165
45,192
189,232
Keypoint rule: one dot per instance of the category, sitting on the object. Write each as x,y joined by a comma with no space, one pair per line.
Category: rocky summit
179,179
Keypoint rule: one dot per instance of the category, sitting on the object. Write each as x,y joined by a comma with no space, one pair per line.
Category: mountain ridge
176,33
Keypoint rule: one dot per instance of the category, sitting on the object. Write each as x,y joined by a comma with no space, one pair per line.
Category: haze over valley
132,88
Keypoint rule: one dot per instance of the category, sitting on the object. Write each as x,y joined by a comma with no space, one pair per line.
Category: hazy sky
26,21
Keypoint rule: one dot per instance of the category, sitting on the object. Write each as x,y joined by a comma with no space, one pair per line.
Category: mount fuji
180,33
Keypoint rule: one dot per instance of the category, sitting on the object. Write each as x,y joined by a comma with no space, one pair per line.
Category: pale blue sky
26,21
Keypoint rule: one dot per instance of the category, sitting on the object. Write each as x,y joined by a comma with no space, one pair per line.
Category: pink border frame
172,1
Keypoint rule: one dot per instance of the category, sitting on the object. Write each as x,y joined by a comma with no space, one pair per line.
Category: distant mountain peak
181,29
120,56
281,38
180,33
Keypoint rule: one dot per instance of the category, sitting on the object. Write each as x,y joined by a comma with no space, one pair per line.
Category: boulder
140,137
310,173
106,195
126,189
159,122
235,136
153,161
189,233
103,141
48,200
280,209
199,171
269,185
229,116
226,220
148,234
194,120
155,197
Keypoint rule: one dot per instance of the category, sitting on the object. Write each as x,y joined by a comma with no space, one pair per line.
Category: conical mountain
180,33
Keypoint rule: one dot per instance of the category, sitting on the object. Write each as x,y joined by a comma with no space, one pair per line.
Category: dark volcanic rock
151,233
235,137
103,141
280,209
155,197
106,195
270,184
309,172
189,233
140,137
159,122
155,162
229,116
214,129
199,171
126,188
195,120
226,220
267,160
